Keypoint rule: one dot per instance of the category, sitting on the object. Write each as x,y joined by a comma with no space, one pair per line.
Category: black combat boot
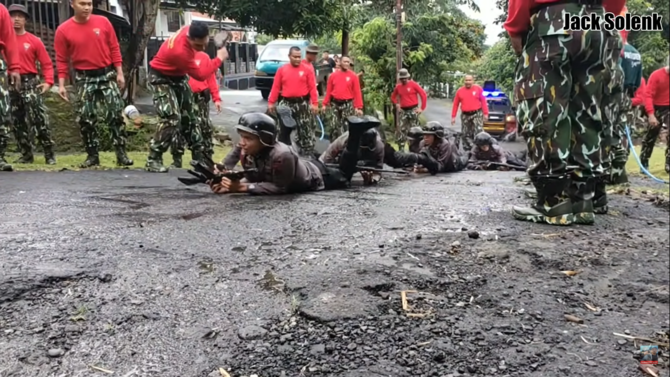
26,158
49,156
197,155
285,135
155,163
92,158
645,164
584,194
461,161
349,159
122,158
176,161
552,207
4,166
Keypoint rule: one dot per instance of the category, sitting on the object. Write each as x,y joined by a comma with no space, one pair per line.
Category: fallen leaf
650,370
223,373
591,307
574,319
570,273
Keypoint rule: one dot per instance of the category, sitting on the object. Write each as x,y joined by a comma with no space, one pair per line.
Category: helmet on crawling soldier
257,131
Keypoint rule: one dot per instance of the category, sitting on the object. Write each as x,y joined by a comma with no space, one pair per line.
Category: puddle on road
270,282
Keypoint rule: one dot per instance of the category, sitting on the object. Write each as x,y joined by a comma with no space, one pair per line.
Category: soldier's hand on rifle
218,188
45,87
62,92
233,186
359,112
315,108
217,106
15,79
653,121
272,108
367,177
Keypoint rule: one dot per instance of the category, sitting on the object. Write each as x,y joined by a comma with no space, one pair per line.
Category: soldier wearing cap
28,110
409,93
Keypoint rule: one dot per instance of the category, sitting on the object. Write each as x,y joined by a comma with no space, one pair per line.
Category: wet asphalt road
137,274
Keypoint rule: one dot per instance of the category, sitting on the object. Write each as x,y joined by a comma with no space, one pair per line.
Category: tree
499,63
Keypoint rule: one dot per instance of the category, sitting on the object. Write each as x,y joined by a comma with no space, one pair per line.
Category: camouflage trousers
5,111
179,142
30,117
408,119
179,115
341,111
99,100
613,98
305,129
619,149
471,124
650,137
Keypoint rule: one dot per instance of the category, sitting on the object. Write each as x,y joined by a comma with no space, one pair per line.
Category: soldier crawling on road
279,169
487,150
440,148
370,153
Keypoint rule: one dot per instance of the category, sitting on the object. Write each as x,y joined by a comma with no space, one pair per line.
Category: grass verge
656,164
107,160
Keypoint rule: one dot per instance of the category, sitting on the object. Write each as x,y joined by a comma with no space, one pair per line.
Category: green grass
656,164
107,160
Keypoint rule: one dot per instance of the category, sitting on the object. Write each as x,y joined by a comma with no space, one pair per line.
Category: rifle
203,172
498,164
374,170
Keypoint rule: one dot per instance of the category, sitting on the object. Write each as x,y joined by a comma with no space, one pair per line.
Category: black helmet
483,138
259,124
369,139
434,128
415,133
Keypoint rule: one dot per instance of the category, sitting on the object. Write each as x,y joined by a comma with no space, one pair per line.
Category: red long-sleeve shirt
89,45
408,95
32,50
638,99
658,90
344,86
294,82
518,18
470,99
8,45
176,57
210,83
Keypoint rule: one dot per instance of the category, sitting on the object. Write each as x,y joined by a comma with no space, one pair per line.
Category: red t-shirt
88,45
409,95
176,58
32,50
294,82
344,86
638,99
210,83
8,45
657,92
470,99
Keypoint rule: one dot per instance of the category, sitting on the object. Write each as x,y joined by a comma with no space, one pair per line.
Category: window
112,9
499,105
173,21
277,53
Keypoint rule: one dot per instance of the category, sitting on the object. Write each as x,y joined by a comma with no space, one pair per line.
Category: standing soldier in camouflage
474,111
408,105
89,43
9,75
203,91
28,110
555,80
173,97
657,105
344,91
296,84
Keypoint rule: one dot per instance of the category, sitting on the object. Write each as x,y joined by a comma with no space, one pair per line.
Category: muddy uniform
370,153
473,109
203,93
10,63
28,110
173,98
93,50
407,94
344,91
447,155
657,102
496,154
555,81
298,90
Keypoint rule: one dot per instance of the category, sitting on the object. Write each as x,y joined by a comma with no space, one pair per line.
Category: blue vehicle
274,55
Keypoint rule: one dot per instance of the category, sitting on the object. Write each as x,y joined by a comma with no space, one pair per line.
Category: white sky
488,14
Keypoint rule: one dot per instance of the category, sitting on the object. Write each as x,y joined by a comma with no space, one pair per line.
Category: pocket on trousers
532,108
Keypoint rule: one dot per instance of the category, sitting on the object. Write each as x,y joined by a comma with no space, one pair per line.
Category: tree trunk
345,41
143,15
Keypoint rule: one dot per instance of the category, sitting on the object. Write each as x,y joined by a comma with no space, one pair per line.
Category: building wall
169,21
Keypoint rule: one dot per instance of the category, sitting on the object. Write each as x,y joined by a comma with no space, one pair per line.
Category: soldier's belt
296,99
470,112
341,101
409,108
164,76
94,72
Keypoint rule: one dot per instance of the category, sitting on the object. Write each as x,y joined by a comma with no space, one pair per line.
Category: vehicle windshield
499,105
277,53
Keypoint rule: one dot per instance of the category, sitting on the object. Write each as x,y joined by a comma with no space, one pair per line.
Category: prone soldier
9,75
405,97
443,154
89,43
28,110
414,138
370,153
486,149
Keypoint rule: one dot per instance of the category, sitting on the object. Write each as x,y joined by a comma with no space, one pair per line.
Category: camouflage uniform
30,117
472,123
179,142
305,129
558,92
649,141
98,95
4,115
341,111
408,119
620,148
178,113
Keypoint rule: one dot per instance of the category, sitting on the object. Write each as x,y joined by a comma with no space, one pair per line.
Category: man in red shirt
88,42
564,141
203,91
407,106
173,98
9,74
657,106
295,83
474,111
639,120
28,110
344,91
